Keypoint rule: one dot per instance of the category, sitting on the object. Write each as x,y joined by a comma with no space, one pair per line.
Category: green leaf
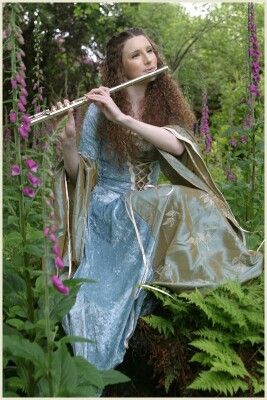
88,374
112,377
64,371
20,347
34,250
15,383
17,311
73,339
16,323
162,325
218,382
12,220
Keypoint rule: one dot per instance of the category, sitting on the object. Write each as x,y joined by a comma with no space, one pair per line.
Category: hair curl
163,103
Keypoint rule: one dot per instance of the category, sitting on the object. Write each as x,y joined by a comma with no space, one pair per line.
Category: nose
147,58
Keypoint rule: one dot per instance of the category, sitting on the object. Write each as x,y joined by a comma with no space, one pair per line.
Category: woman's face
138,57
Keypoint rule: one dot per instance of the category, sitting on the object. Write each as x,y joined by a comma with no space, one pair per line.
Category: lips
150,70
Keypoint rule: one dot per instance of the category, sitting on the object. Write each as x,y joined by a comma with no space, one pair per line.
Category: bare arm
68,143
158,136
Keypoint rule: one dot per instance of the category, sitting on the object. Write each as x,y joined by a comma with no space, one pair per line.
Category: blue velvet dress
179,236
107,311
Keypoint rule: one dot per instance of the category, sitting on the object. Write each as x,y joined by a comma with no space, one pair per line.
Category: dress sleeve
89,141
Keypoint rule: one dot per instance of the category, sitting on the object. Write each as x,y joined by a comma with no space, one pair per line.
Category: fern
217,350
169,379
219,322
219,382
229,307
162,325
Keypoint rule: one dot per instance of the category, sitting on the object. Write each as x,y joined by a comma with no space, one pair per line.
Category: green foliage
222,326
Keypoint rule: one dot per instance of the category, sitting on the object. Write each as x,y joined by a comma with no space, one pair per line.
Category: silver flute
47,114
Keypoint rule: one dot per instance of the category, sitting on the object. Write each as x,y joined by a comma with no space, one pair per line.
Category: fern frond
254,317
219,382
214,335
202,358
196,298
245,337
169,379
218,351
229,307
234,288
233,370
162,325
258,385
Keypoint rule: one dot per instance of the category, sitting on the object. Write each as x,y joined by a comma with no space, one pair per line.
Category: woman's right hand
68,134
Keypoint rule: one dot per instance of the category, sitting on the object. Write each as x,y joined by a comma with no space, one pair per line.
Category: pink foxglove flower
53,237
34,180
243,138
59,285
22,66
24,92
28,192
15,170
12,116
23,100
231,176
233,142
56,250
14,83
46,231
32,165
21,107
59,262
23,131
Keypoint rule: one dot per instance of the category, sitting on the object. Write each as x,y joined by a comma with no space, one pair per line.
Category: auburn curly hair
163,103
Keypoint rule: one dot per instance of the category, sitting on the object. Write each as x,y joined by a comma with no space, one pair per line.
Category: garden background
196,345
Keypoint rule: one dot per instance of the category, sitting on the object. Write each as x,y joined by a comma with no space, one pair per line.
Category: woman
125,230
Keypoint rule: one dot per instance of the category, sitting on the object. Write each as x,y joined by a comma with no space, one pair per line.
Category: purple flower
14,83
24,92
253,52
243,138
253,89
26,119
18,56
56,250
58,284
23,100
23,83
29,192
34,180
7,135
22,66
248,122
32,165
53,237
59,262
46,231
231,176
53,228
204,123
23,131
15,170
233,142
21,107
12,116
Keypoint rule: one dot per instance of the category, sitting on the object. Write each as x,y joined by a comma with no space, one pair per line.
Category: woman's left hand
101,97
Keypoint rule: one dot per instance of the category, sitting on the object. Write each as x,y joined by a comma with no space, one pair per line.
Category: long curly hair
163,103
